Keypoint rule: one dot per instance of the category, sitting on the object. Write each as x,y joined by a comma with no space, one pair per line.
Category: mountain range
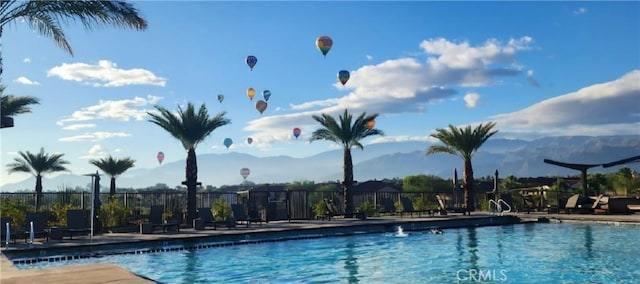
520,158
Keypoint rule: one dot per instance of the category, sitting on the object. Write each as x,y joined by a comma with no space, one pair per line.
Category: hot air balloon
221,98
343,76
261,106
251,92
228,142
266,94
324,44
244,172
160,157
249,140
370,124
296,132
251,61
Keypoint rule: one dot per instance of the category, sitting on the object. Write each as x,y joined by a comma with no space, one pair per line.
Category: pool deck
108,273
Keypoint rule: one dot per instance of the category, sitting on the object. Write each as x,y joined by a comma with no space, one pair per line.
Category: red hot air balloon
160,157
245,172
251,61
343,76
296,132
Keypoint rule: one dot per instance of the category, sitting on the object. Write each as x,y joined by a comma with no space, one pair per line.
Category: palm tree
463,142
348,135
38,164
190,128
113,168
46,16
11,105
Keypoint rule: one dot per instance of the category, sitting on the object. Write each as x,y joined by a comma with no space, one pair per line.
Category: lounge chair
579,203
407,207
12,231
156,220
443,209
528,203
240,216
77,222
388,207
39,221
206,219
334,212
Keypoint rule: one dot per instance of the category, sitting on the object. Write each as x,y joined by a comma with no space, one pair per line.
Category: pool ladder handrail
498,207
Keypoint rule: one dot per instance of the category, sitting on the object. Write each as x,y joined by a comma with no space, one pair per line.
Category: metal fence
298,204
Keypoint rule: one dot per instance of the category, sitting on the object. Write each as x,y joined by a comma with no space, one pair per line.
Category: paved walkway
108,273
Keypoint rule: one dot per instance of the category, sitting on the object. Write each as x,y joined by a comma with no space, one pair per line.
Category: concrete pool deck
108,273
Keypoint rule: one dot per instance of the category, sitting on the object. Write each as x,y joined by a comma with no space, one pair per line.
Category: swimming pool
526,253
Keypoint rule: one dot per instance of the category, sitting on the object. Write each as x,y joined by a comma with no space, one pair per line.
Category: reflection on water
588,241
473,248
351,261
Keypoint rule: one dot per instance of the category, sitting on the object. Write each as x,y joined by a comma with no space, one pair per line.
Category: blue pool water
528,253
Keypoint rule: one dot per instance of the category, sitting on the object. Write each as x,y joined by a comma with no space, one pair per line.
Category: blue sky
535,68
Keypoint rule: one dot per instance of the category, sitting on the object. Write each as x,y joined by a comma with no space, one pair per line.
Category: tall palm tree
463,142
113,168
191,128
38,164
348,133
46,16
11,105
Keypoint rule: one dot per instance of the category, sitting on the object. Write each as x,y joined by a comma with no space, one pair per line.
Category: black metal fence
297,204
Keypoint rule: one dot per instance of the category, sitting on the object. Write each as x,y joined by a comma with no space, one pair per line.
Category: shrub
114,215
16,210
221,209
320,208
60,214
368,208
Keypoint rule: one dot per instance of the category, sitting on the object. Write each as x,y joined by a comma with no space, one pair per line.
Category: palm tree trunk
192,184
468,185
112,187
38,191
347,183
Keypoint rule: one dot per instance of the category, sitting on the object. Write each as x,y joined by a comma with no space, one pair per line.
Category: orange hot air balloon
324,44
261,106
370,124
160,157
251,92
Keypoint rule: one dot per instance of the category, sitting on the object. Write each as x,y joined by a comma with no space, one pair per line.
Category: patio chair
334,212
240,216
206,219
77,222
443,209
579,203
39,226
388,207
407,207
156,220
528,203
13,232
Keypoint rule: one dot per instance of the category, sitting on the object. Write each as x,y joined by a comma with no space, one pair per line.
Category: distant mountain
377,161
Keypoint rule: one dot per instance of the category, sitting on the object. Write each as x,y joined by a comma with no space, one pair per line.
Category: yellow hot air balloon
251,92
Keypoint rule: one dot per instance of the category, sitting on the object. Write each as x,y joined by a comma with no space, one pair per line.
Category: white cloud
95,136
123,110
405,85
79,126
369,57
403,138
471,99
26,60
611,107
580,11
105,74
25,81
